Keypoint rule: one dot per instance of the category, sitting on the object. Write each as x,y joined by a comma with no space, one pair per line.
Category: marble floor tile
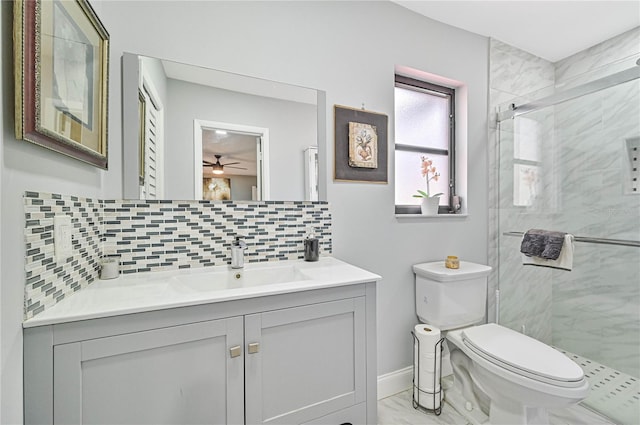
398,410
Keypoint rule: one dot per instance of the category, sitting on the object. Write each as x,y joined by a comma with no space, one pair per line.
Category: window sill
431,217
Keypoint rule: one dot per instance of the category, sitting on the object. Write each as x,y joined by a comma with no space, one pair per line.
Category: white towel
564,261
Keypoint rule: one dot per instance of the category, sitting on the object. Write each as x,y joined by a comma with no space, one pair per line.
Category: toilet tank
451,298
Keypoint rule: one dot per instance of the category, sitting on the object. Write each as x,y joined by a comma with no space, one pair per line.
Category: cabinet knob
235,351
253,348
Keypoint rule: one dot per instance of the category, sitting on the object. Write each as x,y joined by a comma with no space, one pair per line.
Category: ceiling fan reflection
218,168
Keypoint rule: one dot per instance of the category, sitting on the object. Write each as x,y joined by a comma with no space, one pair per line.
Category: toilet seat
522,355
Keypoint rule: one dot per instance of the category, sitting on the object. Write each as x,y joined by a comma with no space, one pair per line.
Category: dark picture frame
344,169
61,55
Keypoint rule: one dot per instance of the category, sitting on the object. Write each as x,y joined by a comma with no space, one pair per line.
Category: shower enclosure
569,161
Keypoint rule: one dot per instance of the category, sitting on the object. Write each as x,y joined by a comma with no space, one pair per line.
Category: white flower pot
429,206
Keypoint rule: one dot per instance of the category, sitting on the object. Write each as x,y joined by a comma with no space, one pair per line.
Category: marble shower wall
595,307
515,77
615,54
528,188
581,166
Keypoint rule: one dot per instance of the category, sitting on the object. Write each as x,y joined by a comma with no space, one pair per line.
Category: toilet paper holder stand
436,379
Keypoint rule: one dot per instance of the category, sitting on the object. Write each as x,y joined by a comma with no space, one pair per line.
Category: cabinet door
354,415
308,362
177,375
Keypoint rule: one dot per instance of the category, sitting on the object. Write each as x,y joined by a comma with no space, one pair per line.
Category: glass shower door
570,167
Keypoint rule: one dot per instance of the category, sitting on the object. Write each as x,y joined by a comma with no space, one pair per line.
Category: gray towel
542,243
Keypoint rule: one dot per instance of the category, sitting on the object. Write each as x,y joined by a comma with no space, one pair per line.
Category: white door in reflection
230,161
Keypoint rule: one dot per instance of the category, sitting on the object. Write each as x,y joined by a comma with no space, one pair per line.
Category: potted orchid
430,203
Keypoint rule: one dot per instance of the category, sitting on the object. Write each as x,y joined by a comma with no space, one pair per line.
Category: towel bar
623,242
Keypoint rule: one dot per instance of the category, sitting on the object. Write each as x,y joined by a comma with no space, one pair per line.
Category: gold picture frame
61,52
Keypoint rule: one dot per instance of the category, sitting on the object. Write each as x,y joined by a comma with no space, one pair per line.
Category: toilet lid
522,354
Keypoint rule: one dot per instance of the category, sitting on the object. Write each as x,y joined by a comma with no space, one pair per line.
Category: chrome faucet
237,252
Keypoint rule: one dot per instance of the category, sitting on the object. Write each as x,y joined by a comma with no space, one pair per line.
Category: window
424,127
527,157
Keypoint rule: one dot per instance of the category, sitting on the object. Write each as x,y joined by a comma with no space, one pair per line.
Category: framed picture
360,145
363,145
216,189
61,73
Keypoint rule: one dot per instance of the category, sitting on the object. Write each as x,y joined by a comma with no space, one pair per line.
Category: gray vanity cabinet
309,362
176,375
303,358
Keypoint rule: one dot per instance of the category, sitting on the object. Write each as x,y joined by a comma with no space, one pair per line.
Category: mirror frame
131,130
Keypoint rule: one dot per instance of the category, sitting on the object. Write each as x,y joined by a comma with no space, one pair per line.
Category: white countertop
141,292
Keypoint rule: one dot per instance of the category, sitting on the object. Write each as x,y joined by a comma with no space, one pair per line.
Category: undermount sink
146,292
240,278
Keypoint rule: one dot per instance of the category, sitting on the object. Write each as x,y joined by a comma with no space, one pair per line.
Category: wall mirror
191,132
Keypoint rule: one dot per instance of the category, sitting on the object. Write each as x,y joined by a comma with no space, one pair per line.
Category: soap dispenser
237,252
311,246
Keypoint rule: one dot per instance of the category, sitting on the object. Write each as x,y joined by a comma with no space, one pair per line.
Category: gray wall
292,128
25,166
241,187
154,70
304,43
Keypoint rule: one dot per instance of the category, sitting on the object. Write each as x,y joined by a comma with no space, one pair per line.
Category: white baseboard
395,382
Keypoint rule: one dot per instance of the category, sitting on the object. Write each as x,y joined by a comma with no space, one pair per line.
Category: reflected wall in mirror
198,121
237,152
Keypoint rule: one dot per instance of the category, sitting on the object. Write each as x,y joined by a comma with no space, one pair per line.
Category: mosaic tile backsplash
157,235
48,281
165,235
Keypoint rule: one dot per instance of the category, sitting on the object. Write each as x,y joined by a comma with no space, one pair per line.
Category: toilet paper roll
428,336
427,380
427,366
428,400
427,373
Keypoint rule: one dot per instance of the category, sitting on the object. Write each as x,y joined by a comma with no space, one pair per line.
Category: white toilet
511,377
